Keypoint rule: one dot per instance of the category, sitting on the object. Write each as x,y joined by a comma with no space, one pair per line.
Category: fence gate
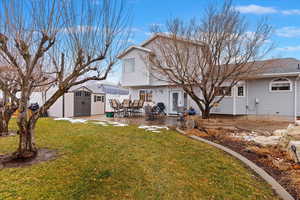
82,103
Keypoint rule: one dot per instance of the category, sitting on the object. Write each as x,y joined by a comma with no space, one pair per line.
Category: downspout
247,100
63,105
295,98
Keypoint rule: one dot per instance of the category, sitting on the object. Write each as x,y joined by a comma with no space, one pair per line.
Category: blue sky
283,15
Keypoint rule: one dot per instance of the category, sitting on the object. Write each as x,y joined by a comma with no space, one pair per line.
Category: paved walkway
138,120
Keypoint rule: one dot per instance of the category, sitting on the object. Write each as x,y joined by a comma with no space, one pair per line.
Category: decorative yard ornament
294,149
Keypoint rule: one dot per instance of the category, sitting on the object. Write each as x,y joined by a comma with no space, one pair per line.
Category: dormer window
280,84
129,65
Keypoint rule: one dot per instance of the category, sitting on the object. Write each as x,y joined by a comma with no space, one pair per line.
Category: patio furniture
141,104
117,107
126,104
135,109
150,113
161,108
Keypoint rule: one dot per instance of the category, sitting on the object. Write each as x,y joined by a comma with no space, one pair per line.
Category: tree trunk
4,126
206,112
5,116
27,148
26,123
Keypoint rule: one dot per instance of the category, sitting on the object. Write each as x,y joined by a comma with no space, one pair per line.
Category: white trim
295,98
133,47
280,91
237,91
247,97
147,89
234,101
231,92
281,74
179,100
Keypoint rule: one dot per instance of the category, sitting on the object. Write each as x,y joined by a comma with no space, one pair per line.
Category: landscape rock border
280,191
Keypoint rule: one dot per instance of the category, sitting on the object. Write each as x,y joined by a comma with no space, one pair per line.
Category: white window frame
231,92
125,70
237,90
147,91
286,80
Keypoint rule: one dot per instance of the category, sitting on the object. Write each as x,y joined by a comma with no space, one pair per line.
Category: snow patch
154,129
71,120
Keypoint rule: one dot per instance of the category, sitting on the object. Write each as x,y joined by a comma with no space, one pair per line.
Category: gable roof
131,48
152,38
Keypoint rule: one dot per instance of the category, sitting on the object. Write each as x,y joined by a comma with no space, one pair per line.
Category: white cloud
291,12
289,32
289,48
78,29
256,9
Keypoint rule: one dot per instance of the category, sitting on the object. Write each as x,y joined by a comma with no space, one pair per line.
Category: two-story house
275,92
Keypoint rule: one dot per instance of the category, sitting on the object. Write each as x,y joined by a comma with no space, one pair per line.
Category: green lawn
126,163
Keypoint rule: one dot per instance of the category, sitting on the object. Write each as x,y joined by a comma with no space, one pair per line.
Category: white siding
140,76
69,104
97,108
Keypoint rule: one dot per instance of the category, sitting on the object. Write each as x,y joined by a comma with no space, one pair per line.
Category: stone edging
280,191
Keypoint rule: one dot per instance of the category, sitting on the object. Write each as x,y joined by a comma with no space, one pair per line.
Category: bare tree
60,43
202,56
9,87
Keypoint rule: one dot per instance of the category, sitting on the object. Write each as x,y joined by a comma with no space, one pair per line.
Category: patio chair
135,107
118,110
140,106
150,113
126,104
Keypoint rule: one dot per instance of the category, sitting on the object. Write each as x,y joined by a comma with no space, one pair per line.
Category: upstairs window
280,84
129,65
223,91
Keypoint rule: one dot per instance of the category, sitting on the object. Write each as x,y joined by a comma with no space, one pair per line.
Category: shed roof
102,89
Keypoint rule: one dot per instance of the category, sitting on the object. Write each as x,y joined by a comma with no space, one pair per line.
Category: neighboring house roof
102,89
281,66
114,89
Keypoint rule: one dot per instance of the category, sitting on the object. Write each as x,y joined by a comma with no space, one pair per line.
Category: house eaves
178,38
132,48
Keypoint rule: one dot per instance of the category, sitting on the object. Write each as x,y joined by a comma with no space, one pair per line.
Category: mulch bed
43,155
263,160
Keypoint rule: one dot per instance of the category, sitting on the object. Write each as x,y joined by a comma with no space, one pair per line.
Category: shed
78,101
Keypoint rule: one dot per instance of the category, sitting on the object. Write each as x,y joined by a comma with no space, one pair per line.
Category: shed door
82,103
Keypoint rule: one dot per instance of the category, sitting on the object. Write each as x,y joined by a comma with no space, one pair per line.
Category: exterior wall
159,94
224,107
269,103
56,109
69,104
140,76
240,105
97,108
